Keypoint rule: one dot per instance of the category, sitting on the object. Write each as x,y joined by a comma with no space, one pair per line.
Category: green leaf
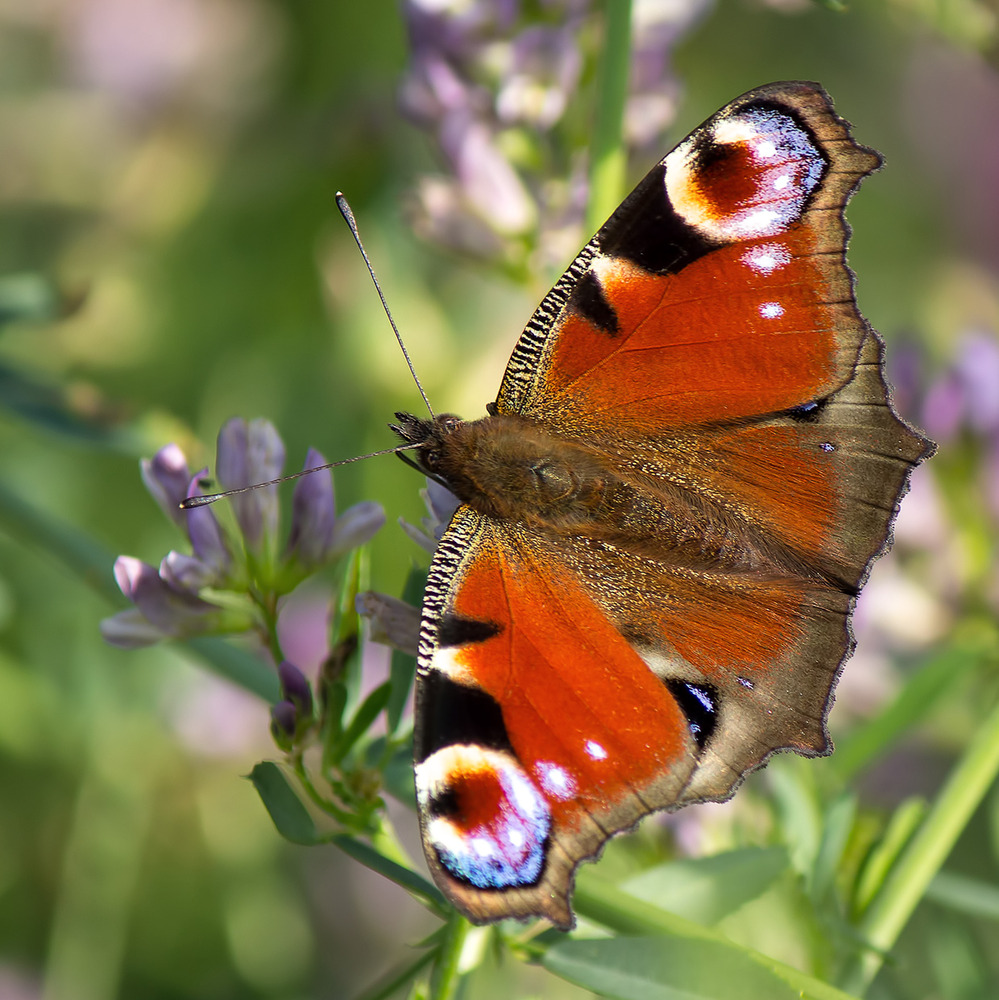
334,702
238,666
962,793
48,407
920,697
799,809
392,981
287,811
836,831
968,895
361,723
345,618
607,905
667,968
902,825
392,870
707,889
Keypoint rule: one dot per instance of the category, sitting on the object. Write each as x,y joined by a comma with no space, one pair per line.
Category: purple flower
543,68
251,452
977,367
394,622
490,185
654,89
167,478
494,80
162,611
295,687
208,540
232,581
317,535
966,394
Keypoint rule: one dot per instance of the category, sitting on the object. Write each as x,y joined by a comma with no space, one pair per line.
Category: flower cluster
964,399
235,574
494,81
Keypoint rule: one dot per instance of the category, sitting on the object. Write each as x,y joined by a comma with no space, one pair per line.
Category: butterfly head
431,438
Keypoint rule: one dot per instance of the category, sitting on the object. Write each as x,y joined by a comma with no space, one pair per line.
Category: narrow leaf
392,870
883,855
361,723
920,696
673,968
835,835
967,895
607,905
397,776
287,811
397,977
707,889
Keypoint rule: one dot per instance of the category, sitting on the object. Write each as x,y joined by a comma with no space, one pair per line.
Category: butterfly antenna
203,501
348,215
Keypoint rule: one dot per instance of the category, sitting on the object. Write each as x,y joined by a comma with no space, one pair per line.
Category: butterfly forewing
691,464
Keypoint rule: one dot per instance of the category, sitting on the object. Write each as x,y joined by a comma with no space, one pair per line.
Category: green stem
267,603
391,983
446,976
341,816
608,161
905,886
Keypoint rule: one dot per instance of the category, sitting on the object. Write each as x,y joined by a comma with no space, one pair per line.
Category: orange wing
541,730
717,291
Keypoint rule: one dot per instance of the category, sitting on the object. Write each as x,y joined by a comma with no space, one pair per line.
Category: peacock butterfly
665,518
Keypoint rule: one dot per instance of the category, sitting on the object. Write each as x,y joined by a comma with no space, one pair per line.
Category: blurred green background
170,256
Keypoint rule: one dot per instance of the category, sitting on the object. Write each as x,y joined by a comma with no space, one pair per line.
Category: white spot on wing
736,128
595,750
767,257
555,781
449,661
771,310
759,223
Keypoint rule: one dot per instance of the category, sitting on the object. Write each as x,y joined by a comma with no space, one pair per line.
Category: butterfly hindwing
530,750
